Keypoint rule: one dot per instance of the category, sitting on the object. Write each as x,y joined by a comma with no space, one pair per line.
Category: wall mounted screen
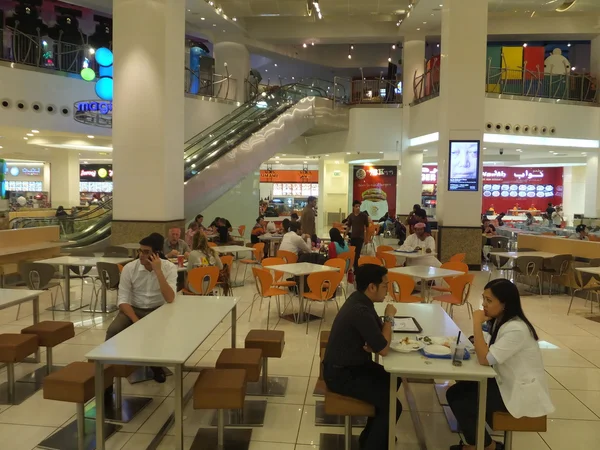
463,168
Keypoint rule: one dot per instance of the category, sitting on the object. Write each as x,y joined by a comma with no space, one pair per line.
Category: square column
64,178
591,206
462,117
148,116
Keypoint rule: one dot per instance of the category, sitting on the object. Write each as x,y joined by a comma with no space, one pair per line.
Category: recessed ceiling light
266,70
283,154
347,153
485,148
275,64
35,131
26,138
583,153
214,24
90,136
312,43
85,162
425,150
325,155
1,146
424,23
189,10
304,45
234,19
418,29
525,44
202,18
380,152
29,134
277,157
304,162
569,44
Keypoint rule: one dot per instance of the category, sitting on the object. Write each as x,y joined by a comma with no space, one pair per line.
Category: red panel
534,59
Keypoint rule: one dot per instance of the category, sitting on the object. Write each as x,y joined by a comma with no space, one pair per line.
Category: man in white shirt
421,241
146,284
293,242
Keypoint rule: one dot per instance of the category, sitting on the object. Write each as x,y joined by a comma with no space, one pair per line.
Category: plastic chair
341,265
580,282
323,287
38,276
401,287
529,266
227,261
116,252
277,274
202,280
84,272
556,266
109,276
265,289
120,266
499,242
371,230
288,257
242,230
459,257
451,265
369,260
258,252
459,293
383,248
212,244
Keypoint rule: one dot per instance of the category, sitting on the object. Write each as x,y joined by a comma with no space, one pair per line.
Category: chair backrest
352,254
578,278
242,230
338,225
259,251
289,257
460,286
456,265
389,261
109,275
324,284
560,263
371,229
263,279
203,280
81,270
400,287
338,263
529,265
120,266
274,261
212,244
459,257
227,261
348,259
593,238
369,260
498,261
116,251
499,242
37,276
383,248
595,262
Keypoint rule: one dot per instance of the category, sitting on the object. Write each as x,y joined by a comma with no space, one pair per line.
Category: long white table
425,274
13,297
515,255
166,337
80,261
435,322
592,270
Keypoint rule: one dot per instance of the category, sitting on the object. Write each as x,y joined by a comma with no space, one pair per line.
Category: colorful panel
533,58
512,61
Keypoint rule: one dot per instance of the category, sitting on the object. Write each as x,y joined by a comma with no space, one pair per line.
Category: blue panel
104,89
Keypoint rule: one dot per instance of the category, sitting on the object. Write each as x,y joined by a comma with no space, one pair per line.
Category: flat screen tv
463,166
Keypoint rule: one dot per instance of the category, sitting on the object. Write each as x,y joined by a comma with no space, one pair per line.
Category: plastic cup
180,260
458,354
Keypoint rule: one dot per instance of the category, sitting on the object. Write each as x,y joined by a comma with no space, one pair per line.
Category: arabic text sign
515,175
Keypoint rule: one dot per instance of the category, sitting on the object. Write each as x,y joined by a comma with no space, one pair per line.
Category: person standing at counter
557,217
357,222
550,209
307,220
530,220
580,233
500,220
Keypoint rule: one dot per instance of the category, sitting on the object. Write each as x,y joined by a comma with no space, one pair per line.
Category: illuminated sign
31,171
429,176
95,172
94,112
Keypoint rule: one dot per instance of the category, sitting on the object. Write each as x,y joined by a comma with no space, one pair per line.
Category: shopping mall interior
467,130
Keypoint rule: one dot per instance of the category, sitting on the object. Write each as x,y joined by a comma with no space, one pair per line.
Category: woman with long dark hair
338,245
511,348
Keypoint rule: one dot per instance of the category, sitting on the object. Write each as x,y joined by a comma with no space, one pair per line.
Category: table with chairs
425,274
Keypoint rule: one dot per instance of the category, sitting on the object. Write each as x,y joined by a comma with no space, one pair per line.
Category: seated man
174,246
146,284
348,368
421,241
293,242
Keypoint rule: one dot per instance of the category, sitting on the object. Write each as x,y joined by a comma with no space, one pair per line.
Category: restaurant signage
289,176
95,172
375,187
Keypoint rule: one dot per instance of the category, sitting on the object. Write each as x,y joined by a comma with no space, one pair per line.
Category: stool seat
51,333
16,347
75,382
503,421
220,389
241,358
340,405
271,342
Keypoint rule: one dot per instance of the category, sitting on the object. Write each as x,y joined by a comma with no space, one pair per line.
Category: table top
270,237
10,297
186,323
592,270
85,261
435,322
409,255
304,268
514,255
129,245
424,272
232,249
5,251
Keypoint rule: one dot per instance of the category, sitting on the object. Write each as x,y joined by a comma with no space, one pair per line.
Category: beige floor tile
552,383
134,425
571,434
576,378
590,398
295,394
569,407
593,356
292,364
581,342
67,353
529,441
23,437
281,424
40,412
563,357
89,337
258,445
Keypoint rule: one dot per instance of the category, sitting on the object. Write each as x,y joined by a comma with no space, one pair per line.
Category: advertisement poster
375,187
463,166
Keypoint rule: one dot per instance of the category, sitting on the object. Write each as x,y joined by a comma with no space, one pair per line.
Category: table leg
301,301
103,298
233,325
99,381
67,274
423,284
481,414
178,374
392,425
36,319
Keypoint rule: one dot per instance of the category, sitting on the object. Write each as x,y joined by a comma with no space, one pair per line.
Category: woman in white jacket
511,348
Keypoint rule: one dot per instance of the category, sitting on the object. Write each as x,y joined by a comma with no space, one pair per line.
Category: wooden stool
15,348
49,334
503,421
347,407
253,412
271,342
121,409
75,384
221,389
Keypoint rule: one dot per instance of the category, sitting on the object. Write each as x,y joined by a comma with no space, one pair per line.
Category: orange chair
212,244
340,264
371,230
242,230
265,289
289,257
459,293
451,265
227,261
258,251
352,255
389,261
401,287
323,287
202,280
338,225
459,257
277,274
383,248
369,260
120,266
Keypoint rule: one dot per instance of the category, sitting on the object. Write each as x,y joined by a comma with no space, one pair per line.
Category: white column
64,178
237,59
574,185
592,188
148,115
413,64
321,202
595,57
462,102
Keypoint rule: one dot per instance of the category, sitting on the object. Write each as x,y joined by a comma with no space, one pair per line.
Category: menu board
24,186
295,189
89,186
463,167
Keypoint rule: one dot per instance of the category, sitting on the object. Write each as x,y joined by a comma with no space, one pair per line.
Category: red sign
429,175
375,187
289,176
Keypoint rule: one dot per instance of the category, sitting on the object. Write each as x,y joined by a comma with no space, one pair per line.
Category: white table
271,239
12,297
300,270
133,247
425,274
166,337
234,249
592,270
80,261
515,255
435,322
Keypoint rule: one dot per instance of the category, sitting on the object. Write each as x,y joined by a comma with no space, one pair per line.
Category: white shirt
517,360
140,288
413,241
271,227
294,243
557,218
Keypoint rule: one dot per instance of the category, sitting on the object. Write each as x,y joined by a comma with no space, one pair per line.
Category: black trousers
358,243
371,384
462,399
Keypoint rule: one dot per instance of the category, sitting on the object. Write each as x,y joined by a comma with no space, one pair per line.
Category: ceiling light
90,136
211,3
283,154
1,146
525,44
485,148
425,150
266,70
349,56
438,46
326,155
275,64
304,45
312,43
569,44
347,153
277,157
393,46
293,78
573,68
418,29
424,23
583,153
214,24
352,47
389,59
425,139
305,162
34,131
26,138
29,134
337,162
188,10
202,18
225,16
234,19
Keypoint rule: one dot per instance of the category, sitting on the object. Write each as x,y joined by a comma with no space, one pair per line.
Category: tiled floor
570,347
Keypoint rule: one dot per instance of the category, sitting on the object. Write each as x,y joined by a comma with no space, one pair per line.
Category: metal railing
210,85
426,86
371,92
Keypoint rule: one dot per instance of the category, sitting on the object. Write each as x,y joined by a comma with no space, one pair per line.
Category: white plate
437,350
412,346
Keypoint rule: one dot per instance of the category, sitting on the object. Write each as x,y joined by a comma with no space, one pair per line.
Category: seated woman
520,385
204,256
338,245
258,229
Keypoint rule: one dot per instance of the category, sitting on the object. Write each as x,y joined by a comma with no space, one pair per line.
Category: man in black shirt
348,368
357,222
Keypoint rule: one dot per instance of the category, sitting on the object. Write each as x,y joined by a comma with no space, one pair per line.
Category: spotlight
393,46
349,56
304,45
525,44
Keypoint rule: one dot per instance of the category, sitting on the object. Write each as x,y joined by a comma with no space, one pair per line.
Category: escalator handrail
45,221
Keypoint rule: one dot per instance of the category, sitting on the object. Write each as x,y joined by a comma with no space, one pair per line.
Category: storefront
287,191
95,181
27,183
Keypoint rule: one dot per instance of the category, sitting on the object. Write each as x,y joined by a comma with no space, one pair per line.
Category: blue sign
94,112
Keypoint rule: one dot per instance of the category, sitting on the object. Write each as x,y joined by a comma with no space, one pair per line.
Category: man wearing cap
421,241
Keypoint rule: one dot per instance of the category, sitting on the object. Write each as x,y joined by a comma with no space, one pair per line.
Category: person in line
294,217
307,220
357,222
293,242
60,212
511,348
258,230
348,368
500,219
174,246
146,284
199,219
557,217
421,241
193,228
530,220
550,209
580,233
338,245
